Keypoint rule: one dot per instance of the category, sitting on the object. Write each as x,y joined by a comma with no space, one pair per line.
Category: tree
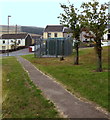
94,17
70,19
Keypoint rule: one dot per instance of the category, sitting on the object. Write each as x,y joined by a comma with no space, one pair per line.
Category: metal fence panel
54,47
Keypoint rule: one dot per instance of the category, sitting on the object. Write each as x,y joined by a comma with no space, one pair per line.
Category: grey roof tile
14,36
54,28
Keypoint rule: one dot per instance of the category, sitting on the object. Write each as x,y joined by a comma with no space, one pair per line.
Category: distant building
86,37
107,35
10,41
59,31
109,11
56,31
35,37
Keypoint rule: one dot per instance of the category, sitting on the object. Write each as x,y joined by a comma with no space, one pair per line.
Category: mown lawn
82,80
21,98
0,88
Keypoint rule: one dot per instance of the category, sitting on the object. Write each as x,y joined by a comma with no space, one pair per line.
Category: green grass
0,88
21,98
82,80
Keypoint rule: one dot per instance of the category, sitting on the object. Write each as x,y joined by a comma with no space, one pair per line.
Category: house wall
67,35
105,36
59,35
9,44
28,41
5,45
82,38
33,41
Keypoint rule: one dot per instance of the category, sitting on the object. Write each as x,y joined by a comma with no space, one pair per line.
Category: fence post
35,48
46,47
56,52
62,51
40,49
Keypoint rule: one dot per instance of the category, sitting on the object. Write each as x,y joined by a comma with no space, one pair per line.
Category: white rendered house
10,41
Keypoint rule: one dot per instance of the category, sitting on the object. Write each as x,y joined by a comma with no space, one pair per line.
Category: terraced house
12,41
56,31
59,31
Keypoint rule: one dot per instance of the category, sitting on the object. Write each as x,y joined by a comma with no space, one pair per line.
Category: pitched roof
14,36
54,28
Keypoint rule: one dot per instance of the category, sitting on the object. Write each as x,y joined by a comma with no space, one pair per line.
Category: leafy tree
95,18
70,19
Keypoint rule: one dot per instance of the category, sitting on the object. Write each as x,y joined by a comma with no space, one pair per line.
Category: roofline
54,31
54,25
15,34
28,34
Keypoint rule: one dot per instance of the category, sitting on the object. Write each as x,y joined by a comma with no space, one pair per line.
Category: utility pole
15,38
8,36
16,29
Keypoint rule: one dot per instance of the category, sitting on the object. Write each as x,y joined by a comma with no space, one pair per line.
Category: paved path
63,100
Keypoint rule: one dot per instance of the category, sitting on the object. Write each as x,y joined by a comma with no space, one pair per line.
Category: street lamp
8,36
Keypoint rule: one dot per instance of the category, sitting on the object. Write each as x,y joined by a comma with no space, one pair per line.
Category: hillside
4,29
20,29
34,30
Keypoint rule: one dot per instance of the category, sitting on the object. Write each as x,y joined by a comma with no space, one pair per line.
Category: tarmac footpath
67,103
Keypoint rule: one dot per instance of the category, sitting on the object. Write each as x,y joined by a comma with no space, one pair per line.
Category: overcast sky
34,12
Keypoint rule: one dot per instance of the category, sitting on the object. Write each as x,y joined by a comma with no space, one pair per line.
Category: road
18,52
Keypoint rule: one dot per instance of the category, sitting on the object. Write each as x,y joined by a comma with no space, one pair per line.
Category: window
49,35
85,40
19,41
68,35
108,36
3,48
55,34
3,41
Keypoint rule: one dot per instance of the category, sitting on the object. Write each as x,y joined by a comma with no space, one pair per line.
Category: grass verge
21,98
81,80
